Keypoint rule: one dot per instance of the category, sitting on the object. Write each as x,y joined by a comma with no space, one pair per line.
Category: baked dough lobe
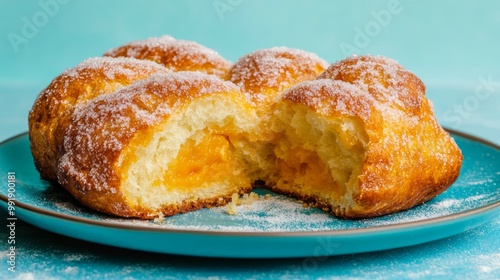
177,55
382,77
131,138
74,87
161,145
265,74
355,156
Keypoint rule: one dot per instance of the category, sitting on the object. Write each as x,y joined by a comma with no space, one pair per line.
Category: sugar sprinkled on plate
280,214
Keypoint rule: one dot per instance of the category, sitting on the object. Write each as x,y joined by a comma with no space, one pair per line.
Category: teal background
450,45
453,46
444,42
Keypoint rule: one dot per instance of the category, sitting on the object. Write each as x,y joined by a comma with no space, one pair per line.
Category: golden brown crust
113,204
83,123
177,55
266,73
408,165
333,98
382,77
409,158
103,129
76,86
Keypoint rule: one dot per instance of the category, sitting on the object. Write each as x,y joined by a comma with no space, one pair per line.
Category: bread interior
204,154
319,158
190,158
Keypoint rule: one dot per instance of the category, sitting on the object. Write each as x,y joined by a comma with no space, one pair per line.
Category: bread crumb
249,198
160,218
231,206
267,196
305,205
236,198
246,199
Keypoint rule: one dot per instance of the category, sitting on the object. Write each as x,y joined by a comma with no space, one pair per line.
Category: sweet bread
161,145
356,139
362,141
177,55
352,155
264,75
76,86
96,76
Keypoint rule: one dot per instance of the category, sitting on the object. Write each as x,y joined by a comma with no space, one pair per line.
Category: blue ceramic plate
271,227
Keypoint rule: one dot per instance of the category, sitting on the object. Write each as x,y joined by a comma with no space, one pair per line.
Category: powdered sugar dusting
100,130
66,90
277,68
277,213
112,67
328,96
149,43
282,214
435,209
382,77
184,83
178,55
448,203
75,87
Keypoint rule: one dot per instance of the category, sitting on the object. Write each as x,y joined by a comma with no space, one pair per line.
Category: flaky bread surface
363,153
93,77
134,139
384,78
160,145
177,55
264,75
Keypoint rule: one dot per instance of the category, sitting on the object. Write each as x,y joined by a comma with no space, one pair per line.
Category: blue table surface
454,52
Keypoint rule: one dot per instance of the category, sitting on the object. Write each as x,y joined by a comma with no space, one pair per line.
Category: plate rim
334,233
